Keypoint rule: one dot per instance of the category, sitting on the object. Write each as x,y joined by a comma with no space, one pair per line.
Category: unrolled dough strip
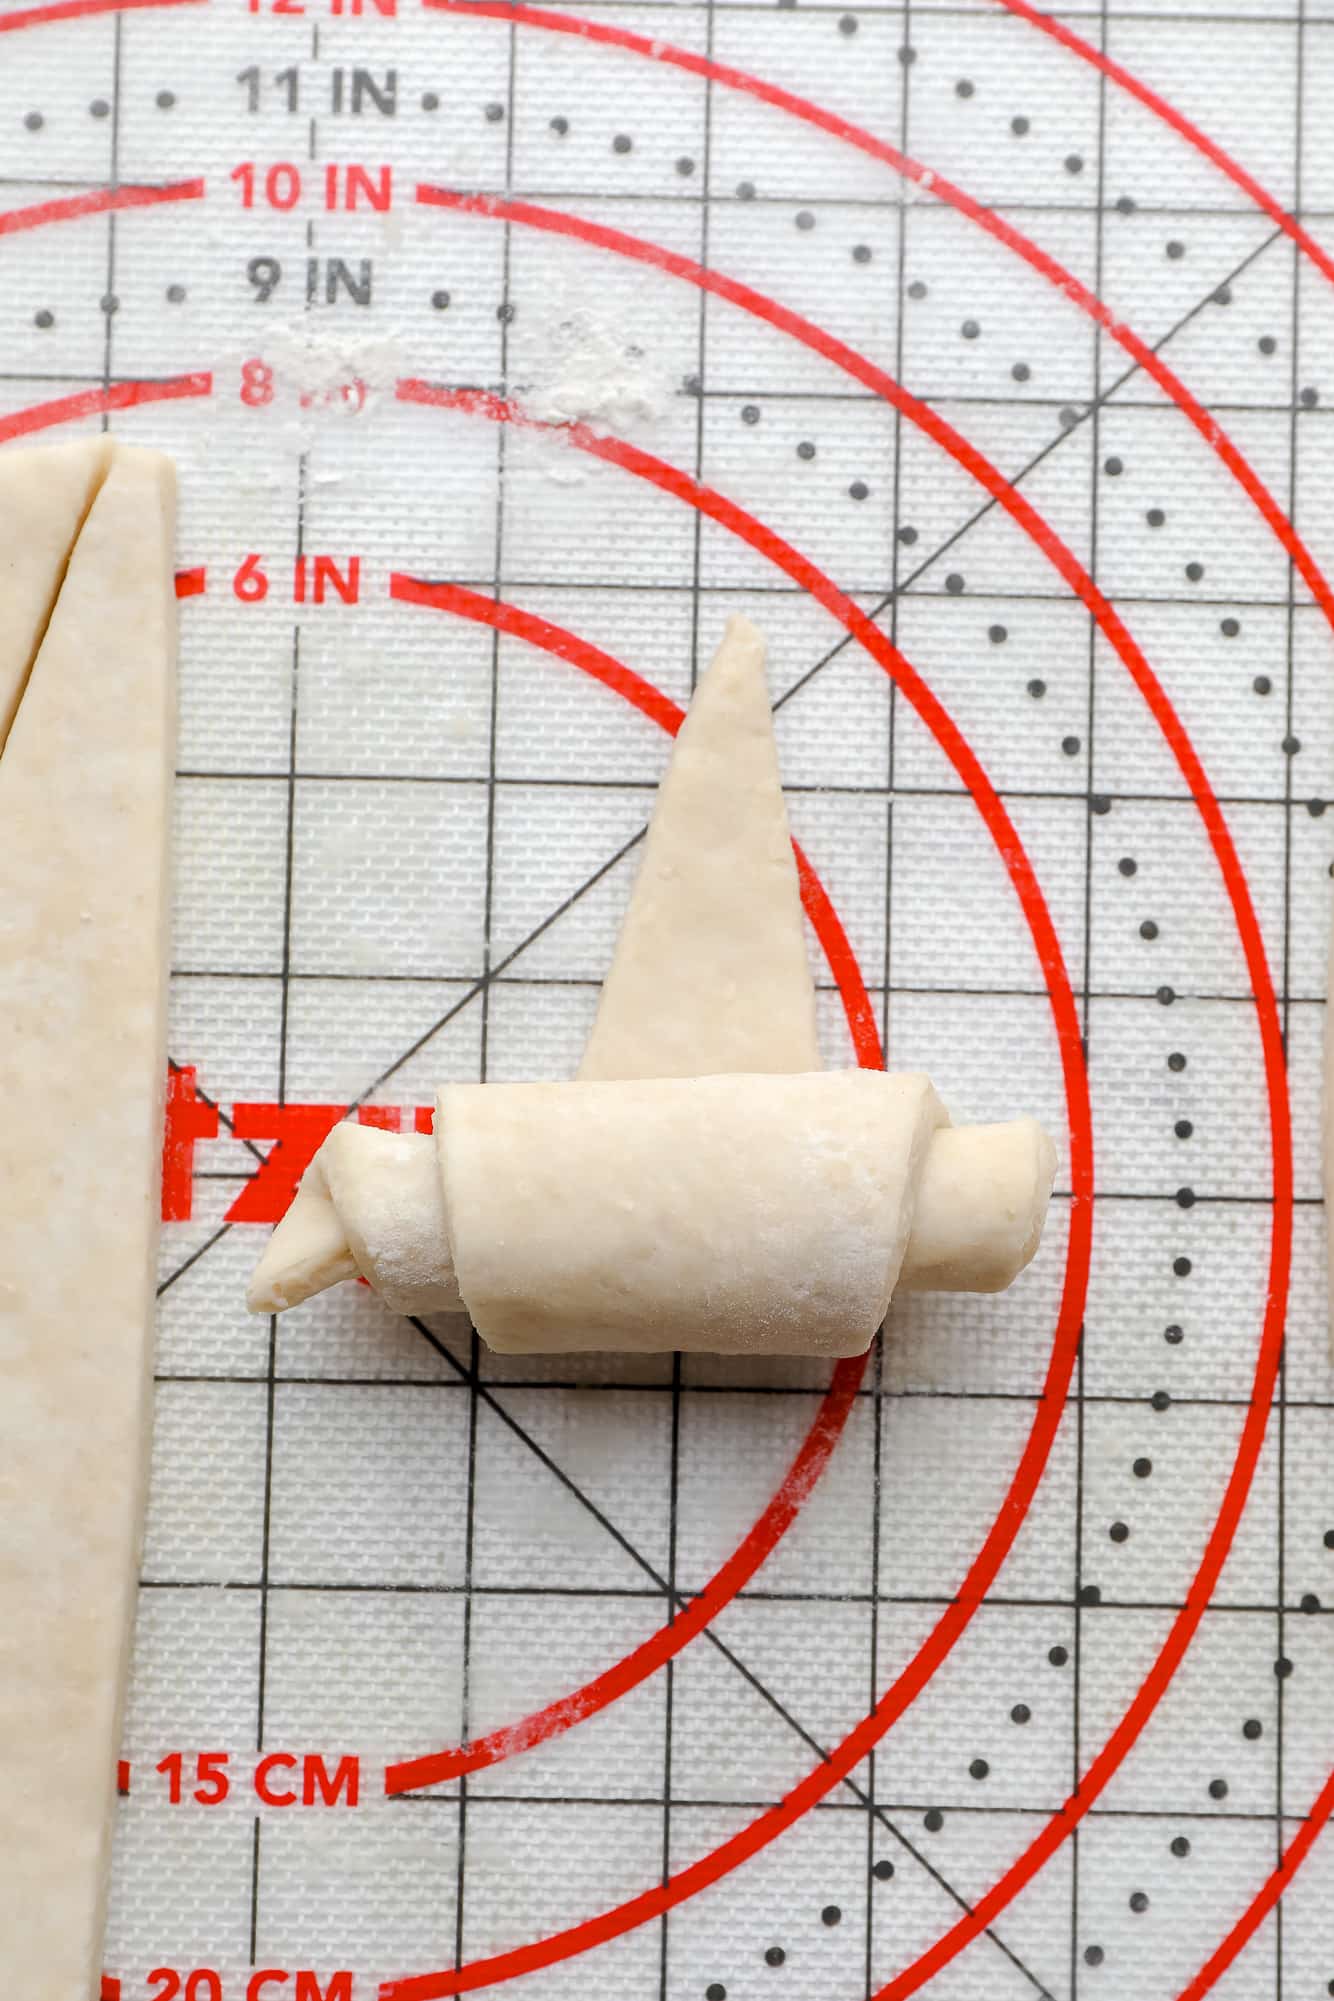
85,782
44,495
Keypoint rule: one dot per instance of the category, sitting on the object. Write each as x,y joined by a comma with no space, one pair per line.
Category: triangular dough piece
85,790
710,973
45,494
709,976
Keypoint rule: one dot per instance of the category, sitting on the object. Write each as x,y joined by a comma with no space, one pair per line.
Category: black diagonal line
679,1598
478,986
495,970
906,583
877,610
193,1259
205,1099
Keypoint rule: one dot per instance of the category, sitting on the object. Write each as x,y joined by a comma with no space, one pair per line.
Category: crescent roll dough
677,1212
744,1199
728,1214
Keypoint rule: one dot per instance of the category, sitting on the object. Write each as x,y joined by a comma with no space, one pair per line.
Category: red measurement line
77,10
1000,1537
91,402
1274,1885
608,35
553,639
192,583
97,201
1225,1525
1237,465
1126,80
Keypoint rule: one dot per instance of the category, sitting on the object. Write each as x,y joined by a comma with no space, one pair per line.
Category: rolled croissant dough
710,974
710,980
85,779
723,1214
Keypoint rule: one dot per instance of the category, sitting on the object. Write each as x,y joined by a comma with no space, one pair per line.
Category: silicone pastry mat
980,358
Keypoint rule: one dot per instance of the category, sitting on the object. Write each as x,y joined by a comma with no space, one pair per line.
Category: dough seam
7,722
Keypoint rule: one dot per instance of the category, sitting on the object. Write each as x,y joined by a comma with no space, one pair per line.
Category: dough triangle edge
710,973
46,495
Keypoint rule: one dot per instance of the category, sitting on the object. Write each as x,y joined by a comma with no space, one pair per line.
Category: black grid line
1095,421
624,1593
1294,332
1157,1400
284,1017
709,1635
847,789
498,591
877,1388
696,387
905,215
1222,17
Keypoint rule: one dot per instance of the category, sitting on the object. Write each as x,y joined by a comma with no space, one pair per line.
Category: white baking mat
396,842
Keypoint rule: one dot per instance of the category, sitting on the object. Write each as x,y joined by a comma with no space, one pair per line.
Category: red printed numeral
279,185
280,1779
211,1783
315,579
346,185
266,1983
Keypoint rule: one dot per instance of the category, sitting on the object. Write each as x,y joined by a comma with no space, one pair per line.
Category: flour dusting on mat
586,372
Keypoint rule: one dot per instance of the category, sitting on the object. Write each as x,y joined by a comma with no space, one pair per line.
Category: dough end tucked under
307,1253
369,1205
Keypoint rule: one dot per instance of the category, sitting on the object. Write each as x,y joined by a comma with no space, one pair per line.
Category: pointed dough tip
307,1253
741,631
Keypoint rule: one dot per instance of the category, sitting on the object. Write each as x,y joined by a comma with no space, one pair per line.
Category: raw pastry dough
85,782
710,972
710,981
981,1204
44,495
726,1214
389,1204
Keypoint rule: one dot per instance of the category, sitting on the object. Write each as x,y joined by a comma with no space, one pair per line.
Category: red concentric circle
1233,876
1047,1416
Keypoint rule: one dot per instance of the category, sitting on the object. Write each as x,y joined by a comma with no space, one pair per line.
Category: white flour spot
582,371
